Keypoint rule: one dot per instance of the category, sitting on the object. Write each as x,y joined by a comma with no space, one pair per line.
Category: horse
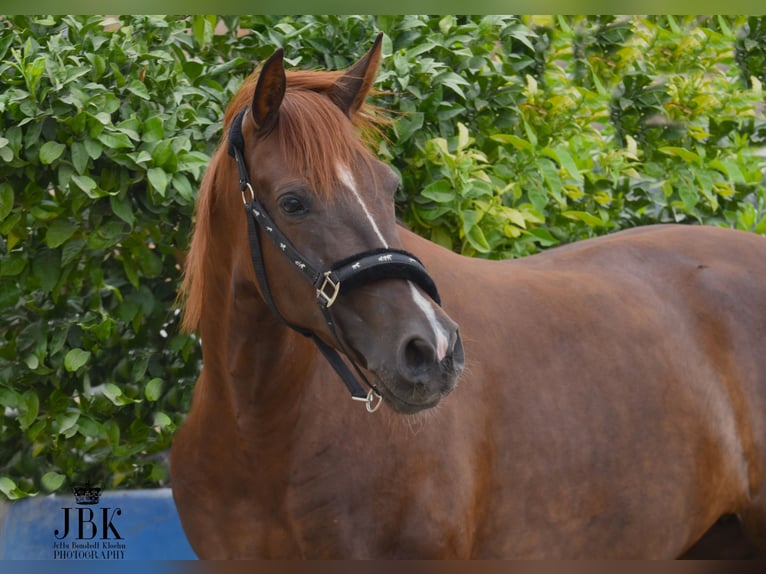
602,399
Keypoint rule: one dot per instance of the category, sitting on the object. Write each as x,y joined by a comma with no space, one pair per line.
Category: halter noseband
343,276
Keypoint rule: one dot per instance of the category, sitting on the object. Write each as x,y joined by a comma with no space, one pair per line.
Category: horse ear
351,89
269,92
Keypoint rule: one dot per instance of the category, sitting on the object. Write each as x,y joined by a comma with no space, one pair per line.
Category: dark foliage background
512,134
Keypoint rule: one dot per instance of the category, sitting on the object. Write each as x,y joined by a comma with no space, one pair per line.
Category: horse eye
292,205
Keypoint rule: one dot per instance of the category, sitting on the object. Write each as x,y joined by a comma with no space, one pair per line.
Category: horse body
613,402
623,389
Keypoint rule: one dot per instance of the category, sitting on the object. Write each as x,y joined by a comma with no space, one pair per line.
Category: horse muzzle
425,369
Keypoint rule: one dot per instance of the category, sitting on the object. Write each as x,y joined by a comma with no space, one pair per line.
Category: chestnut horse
612,392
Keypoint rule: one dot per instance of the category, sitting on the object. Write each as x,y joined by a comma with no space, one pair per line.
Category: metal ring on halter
252,193
370,407
368,401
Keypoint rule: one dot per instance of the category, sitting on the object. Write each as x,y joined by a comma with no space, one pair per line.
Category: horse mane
313,136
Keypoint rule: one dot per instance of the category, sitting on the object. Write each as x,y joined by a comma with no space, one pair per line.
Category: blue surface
147,525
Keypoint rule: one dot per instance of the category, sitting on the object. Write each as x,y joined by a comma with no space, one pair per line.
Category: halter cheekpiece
341,277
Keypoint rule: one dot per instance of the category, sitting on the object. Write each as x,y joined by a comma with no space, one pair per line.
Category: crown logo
86,494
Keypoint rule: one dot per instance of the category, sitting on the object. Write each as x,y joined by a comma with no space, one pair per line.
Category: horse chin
400,403
404,408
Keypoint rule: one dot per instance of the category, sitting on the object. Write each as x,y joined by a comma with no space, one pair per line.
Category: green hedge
511,135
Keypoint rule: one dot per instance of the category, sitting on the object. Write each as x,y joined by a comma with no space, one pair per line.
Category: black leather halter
340,278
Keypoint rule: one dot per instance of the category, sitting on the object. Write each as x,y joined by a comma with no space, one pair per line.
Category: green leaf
159,473
568,163
9,398
46,267
730,169
587,218
163,421
129,266
79,157
690,197
409,125
183,187
203,29
543,236
115,141
477,188
71,250
87,427
29,409
67,423
158,178
86,184
163,154
75,359
440,236
473,232
112,432
32,362
138,88
9,296
685,154
517,142
439,191
116,396
121,206
6,200
11,490
50,152
153,130
113,393
12,264
94,148
478,240
463,136
452,81
514,216
59,231
150,263
130,128
153,389
7,486
52,481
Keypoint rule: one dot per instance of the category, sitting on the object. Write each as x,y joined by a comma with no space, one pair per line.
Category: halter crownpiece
343,276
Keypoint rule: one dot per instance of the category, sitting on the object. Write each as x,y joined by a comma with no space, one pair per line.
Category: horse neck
253,363
260,366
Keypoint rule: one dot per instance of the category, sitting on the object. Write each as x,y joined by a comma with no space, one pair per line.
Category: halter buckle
328,298
369,401
245,186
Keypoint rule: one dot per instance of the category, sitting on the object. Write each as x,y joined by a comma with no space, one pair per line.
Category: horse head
326,199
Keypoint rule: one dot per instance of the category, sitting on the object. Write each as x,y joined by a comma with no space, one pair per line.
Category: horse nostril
419,355
456,354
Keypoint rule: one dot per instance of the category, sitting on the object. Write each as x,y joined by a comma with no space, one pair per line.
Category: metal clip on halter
252,193
324,298
369,400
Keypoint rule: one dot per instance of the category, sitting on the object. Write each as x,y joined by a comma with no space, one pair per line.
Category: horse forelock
314,134
314,137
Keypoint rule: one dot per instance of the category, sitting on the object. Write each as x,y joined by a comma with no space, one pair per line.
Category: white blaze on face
348,180
422,303
428,310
